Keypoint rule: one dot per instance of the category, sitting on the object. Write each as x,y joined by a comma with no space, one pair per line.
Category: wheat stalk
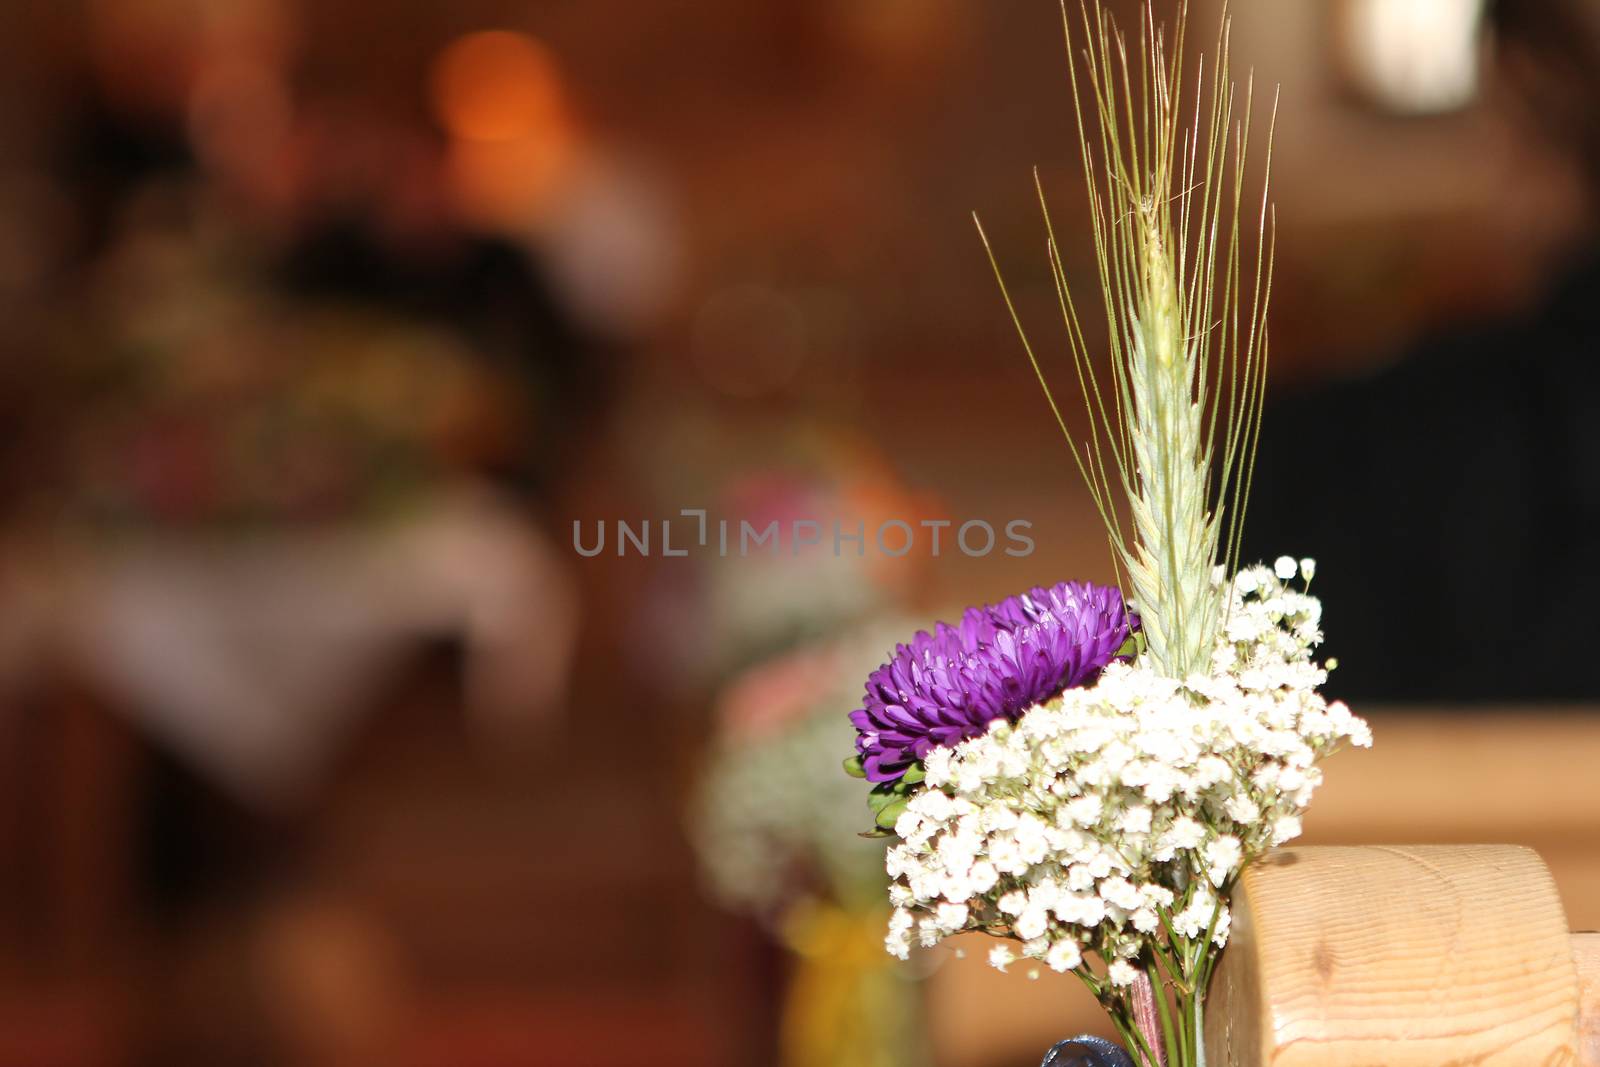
1174,429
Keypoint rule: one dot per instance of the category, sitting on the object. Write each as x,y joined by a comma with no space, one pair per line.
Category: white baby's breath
1117,817
1122,973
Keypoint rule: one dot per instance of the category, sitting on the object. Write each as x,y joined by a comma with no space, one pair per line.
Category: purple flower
1002,659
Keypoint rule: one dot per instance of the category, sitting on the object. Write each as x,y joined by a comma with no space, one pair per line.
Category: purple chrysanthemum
1002,659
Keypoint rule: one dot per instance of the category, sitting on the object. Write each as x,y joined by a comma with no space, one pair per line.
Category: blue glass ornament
1087,1051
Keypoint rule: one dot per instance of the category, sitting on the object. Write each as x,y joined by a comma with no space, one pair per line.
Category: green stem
1131,1038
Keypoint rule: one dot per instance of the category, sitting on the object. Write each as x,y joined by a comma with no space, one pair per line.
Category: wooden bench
1407,956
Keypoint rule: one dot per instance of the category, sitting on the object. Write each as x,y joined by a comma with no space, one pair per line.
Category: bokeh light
497,85
1416,57
498,94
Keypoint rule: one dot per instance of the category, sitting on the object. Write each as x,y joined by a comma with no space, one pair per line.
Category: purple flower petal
949,685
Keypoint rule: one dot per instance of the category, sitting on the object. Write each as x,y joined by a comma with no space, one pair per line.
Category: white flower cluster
1122,813
774,820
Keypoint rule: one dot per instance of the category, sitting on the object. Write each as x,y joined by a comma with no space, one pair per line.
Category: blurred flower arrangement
205,399
773,824
762,603
1086,778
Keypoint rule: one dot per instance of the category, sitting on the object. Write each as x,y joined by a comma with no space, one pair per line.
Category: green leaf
853,767
875,833
890,814
914,775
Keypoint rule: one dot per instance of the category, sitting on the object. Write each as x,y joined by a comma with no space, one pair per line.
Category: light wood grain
1586,957
1431,768
1412,956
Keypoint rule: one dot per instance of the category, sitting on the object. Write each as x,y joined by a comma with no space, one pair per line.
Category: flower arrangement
1082,776
772,822
250,412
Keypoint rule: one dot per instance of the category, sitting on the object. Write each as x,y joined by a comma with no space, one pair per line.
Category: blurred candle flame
497,85
499,96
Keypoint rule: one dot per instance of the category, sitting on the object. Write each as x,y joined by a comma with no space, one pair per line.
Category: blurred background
332,334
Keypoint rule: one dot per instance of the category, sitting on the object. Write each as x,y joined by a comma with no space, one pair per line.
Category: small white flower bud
1122,973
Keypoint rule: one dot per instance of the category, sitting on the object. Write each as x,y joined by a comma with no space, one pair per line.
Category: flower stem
1132,1040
